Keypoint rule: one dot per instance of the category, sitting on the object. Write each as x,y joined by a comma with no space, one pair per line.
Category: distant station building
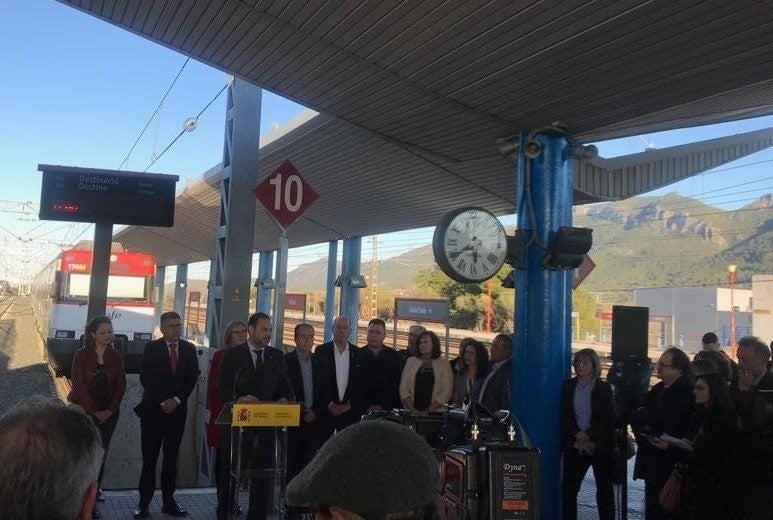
762,314
681,316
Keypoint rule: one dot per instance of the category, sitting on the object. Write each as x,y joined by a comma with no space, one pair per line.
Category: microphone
236,379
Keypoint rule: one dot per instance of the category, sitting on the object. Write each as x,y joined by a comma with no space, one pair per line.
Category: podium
264,422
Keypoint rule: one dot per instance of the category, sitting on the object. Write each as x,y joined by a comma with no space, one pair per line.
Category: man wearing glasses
168,373
667,408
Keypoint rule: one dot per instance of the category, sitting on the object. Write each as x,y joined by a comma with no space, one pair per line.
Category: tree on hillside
584,304
467,301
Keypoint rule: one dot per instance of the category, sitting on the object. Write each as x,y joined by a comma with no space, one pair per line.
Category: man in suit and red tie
251,373
168,373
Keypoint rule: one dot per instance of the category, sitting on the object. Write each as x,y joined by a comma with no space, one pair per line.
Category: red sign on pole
583,271
285,194
295,302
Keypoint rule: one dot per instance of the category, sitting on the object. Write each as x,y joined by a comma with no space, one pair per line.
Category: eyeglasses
661,364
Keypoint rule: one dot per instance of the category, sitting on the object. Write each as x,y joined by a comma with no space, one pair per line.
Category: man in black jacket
340,388
303,369
667,408
168,372
493,390
251,373
383,368
752,396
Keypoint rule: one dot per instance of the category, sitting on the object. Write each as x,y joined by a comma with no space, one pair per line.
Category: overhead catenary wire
150,119
184,130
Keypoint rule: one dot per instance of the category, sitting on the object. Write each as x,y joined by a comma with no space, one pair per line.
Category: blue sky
77,91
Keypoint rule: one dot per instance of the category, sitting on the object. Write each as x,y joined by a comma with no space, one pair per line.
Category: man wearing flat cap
371,470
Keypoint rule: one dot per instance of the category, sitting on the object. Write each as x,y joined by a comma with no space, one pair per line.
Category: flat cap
370,468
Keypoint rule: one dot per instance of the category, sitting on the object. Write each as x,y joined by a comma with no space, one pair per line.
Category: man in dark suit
493,390
251,373
304,440
752,396
383,369
168,372
339,401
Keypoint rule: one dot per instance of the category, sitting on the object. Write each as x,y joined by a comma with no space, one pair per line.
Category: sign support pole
100,269
277,339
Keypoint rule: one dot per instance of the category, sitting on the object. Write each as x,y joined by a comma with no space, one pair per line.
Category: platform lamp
731,277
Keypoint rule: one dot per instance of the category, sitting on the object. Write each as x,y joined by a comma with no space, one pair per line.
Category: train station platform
200,502
24,372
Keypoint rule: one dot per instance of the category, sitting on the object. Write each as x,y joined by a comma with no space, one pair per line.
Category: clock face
470,245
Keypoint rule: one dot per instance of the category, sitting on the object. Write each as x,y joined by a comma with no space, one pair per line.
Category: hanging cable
184,130
160,104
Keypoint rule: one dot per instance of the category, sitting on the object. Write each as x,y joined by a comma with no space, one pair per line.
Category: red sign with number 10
285,194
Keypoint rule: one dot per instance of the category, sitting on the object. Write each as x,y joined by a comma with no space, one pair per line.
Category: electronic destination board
74,194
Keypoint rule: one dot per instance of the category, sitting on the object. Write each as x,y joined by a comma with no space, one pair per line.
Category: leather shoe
173,509
141,512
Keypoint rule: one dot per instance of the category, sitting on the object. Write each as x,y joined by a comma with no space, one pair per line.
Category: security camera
532,149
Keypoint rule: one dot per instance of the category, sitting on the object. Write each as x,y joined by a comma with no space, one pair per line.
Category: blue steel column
542,348
350,296
330,290
265,267
180,288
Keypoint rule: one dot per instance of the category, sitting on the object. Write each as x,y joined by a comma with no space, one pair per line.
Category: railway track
5,304
195,320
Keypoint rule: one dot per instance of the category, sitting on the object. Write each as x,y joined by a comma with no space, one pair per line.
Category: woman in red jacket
235,334
99,381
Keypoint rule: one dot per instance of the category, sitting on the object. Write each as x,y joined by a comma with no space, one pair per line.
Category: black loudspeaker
629,332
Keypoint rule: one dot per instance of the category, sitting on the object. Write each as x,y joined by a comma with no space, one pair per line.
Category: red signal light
66,207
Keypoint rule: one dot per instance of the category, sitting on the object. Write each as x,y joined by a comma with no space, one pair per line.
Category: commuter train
60,302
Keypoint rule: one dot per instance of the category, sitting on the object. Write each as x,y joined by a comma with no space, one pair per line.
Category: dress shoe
173,509
141,512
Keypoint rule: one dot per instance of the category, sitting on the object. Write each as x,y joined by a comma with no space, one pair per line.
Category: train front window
132,288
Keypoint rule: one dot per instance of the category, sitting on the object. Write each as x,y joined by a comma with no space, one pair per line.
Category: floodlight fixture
568,248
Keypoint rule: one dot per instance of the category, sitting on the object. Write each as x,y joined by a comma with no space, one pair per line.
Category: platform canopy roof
413,96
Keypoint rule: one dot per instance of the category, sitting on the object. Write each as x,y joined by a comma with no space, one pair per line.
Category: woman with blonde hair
587,433
235,334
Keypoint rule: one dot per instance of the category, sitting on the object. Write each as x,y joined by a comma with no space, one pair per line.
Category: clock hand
453,255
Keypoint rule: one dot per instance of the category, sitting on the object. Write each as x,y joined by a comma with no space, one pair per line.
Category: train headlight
65,334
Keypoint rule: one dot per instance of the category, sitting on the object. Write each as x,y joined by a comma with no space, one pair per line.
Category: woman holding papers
706,454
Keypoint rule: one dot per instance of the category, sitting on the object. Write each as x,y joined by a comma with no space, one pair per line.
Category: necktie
173,356
258,358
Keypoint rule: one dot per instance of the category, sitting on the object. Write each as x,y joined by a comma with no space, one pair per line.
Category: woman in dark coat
587,432
471,365
708,466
